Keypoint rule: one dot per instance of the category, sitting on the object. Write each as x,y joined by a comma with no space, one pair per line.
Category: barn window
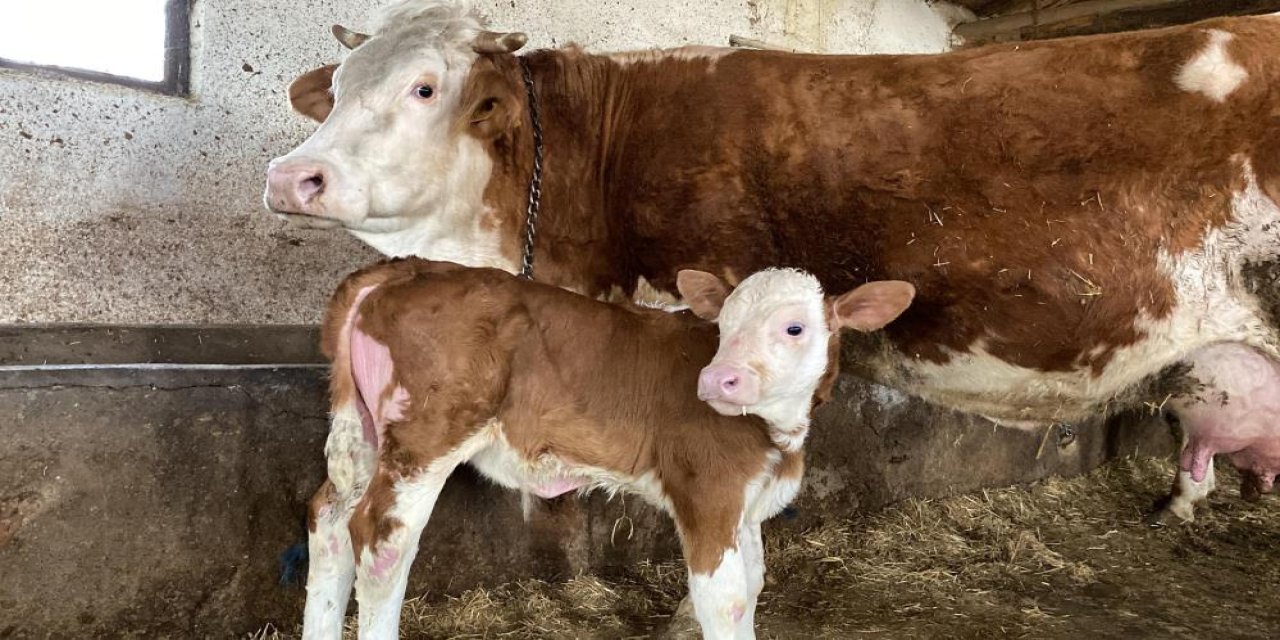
137,43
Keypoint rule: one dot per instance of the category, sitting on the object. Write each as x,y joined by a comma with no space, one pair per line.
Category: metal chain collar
535,183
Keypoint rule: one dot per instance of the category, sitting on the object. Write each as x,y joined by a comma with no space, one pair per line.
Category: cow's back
1039,195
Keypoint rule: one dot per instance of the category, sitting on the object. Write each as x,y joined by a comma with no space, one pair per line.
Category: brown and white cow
547,391
1076,213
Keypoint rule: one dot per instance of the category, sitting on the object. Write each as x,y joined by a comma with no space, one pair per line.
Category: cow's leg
331,565
751,542
719,581
720,597
385,530
1189,492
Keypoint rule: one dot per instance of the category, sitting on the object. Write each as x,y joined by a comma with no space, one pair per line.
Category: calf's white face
777,334
400,151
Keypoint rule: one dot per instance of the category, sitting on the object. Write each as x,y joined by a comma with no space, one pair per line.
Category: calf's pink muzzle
728,384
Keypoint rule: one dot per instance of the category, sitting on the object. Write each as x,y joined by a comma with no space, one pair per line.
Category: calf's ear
871,306
703,292
311,93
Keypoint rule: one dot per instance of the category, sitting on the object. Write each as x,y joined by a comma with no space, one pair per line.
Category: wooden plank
1001,27
1185,12
1106,16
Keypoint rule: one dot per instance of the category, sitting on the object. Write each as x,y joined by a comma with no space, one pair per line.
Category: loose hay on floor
1061,558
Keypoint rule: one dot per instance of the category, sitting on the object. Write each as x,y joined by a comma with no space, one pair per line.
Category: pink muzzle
728,384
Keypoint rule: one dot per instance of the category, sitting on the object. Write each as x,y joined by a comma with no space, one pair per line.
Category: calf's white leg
720,598
719,579
383,571
751,542
331,565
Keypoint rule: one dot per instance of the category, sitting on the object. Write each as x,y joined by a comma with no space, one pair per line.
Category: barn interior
165,397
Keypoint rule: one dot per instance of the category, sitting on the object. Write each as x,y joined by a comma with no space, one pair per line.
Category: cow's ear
491,106
311,94
703,292
871,306
349,39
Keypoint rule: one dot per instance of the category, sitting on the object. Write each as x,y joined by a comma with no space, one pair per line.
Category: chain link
535,183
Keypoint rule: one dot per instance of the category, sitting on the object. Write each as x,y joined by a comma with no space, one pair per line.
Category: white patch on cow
508,467
645,295
768,493
1212,305
1212,72
692,53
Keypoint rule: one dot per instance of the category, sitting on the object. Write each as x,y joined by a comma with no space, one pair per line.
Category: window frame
177,58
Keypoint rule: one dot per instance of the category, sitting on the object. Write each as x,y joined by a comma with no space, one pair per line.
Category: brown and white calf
1076,214
548,391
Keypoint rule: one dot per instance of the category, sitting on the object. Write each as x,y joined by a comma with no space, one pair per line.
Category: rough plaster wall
121,206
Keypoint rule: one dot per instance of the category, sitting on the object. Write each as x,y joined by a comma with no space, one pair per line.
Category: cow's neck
616,190
574,247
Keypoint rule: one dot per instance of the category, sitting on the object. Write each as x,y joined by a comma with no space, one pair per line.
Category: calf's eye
425,91
794,329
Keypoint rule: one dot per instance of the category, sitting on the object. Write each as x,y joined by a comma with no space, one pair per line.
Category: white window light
122,38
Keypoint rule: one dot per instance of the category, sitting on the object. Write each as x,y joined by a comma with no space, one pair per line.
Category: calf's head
778,334
405,121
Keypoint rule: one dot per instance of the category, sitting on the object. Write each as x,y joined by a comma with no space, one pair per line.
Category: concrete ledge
142,501
209,344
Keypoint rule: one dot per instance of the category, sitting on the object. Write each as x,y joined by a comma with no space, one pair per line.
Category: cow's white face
397,159
777,332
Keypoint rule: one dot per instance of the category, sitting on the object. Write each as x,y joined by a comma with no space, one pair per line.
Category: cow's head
778,335
401,149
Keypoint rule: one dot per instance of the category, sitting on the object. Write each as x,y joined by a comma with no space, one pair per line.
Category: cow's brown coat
1020,187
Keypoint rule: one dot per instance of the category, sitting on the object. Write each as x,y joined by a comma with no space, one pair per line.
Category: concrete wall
144,503
120,206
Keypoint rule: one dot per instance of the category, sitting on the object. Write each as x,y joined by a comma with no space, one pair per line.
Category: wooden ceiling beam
1105,16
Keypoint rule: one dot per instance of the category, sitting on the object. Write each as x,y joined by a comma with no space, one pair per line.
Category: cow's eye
425,91
795,329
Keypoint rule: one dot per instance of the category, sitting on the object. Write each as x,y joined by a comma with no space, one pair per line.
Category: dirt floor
1060,559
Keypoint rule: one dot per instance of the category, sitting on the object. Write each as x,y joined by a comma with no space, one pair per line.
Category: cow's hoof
683,625
1252,487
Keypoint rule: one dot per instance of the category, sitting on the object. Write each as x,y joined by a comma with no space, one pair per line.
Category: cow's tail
352,446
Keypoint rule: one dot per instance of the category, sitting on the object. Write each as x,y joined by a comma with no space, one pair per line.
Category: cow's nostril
310,187
730,383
